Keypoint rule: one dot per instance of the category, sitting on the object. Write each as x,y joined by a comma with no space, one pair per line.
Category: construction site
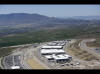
64,54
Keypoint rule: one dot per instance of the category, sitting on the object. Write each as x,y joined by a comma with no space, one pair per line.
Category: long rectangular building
52,47
62,58
52,51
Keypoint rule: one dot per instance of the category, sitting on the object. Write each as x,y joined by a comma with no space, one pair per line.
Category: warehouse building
56,44
62,58
54,52
52,47
51,51
49,58
15,67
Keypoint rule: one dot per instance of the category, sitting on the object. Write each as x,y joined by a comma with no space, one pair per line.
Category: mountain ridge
19,20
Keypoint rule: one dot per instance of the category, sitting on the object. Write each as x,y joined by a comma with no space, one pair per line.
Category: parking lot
12,60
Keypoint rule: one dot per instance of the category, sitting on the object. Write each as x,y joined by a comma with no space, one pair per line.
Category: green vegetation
37,36
6,51
44,35
33,36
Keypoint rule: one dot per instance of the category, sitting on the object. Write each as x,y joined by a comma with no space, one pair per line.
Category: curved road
83,46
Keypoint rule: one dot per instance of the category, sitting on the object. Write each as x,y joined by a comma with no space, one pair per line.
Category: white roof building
15,67
46,51
57,57
48,56
62,56
52,47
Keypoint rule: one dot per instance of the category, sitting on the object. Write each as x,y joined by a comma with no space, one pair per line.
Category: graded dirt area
95,43
82,54
34,64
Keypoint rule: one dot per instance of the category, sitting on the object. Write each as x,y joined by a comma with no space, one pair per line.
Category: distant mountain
87,17
18,18
18,23
25,20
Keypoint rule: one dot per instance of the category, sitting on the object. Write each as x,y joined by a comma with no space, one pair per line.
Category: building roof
57,57
52,51
48,56
61,56
15,67
46,47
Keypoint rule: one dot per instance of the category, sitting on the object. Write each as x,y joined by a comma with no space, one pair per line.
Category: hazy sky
52,10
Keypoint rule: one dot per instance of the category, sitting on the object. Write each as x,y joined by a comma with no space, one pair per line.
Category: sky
53,10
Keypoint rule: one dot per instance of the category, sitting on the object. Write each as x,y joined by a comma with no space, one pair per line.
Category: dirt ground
34,64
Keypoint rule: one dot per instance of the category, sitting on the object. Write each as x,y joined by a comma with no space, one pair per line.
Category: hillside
23,20
23,28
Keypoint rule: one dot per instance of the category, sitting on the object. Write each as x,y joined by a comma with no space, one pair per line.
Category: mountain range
24,28
24,21
87,17
35,20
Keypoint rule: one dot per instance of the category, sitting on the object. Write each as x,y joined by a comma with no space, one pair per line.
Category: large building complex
54,52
